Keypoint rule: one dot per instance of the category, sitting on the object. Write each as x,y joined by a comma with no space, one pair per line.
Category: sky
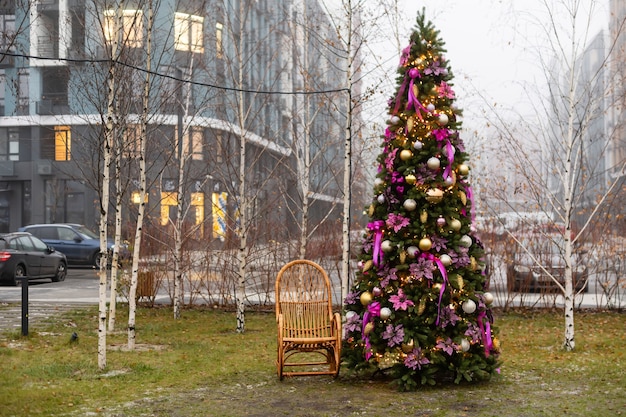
492,44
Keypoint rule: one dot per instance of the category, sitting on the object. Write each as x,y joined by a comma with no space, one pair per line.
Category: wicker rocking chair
307,327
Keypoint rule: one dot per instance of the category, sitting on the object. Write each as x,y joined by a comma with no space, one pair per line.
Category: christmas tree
419,309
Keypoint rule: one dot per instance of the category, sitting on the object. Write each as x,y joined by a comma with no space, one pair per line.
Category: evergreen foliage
419,309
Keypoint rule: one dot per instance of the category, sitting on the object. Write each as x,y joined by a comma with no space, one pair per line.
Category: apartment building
217,73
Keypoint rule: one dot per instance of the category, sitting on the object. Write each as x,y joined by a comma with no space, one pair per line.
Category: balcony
52,104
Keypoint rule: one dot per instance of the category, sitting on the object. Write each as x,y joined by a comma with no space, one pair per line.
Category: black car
23,255
78,243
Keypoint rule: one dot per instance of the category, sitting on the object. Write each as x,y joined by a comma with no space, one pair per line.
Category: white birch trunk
347,164
132,292
242,254
118,237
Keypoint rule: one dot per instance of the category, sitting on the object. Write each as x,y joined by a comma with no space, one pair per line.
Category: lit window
127,22
219,51
62,143
197,202
169,200
136,197
188,32
219,210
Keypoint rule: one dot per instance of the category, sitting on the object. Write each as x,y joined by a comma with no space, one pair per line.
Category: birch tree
569,130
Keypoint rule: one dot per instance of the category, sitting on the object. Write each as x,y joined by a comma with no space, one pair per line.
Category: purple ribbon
450,152
373,310
444,274
415,103
485,330
396,108
377,227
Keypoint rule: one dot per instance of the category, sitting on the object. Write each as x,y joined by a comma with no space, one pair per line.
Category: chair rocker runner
307,326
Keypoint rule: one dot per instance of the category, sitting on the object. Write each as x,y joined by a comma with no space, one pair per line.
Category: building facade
217,74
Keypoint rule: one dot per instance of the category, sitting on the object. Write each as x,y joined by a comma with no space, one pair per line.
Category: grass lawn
199,366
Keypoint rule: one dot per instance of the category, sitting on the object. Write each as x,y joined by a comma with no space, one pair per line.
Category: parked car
23,255
80,245
524,274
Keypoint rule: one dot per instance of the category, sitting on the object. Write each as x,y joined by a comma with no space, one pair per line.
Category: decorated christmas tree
419,309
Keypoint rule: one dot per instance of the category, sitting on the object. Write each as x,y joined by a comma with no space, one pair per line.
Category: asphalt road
80,286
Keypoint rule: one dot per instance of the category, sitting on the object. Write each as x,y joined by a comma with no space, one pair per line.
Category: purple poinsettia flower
435,69
400,301
461,258
448,317
439,243
447,346
352,298
393,335
387,274
353,324
397,221
422,268
415,359
474,332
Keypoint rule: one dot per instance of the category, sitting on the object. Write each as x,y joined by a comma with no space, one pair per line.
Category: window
7,30
219,51
128,23
188,32
9,144
197,203
23,93
169,203
62,143
193,140
132,143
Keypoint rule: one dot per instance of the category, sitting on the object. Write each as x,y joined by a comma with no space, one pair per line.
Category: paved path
11,314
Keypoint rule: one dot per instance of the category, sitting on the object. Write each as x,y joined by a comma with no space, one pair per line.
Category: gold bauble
455,224
406,154
371,209
410,179
368,328
422,306
434,195
425,244
368,264
463,169
366,298
424,216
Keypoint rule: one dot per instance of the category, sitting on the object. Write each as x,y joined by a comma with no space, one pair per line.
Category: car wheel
20,272
96,260
61,272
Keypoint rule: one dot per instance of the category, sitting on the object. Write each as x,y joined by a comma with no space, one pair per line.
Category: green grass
199,366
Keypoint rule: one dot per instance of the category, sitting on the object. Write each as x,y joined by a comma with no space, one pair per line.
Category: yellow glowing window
168,201
136,197
197,202
219,31
128,23
188,32
62,143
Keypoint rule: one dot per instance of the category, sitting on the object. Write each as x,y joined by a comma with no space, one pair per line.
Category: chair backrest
304,298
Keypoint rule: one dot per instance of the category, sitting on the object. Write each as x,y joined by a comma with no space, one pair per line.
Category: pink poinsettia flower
445,91
400,301
397,221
